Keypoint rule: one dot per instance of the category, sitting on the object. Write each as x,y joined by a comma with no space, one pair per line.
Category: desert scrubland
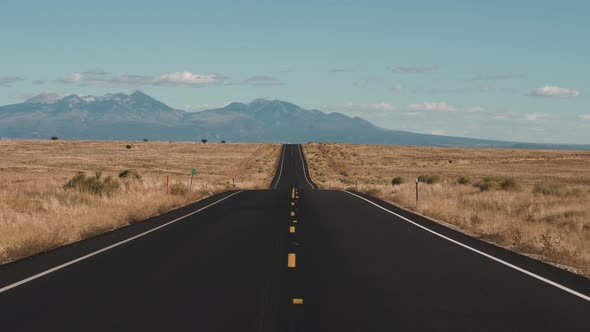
535,202
54,193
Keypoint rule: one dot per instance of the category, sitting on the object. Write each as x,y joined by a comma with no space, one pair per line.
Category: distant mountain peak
137,95
45,98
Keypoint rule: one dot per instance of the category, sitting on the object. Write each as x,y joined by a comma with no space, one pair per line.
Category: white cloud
432,107
185,78
474,109
6,81
584,117
413,69
97,77
384,107
518,118
554,91
73,78
102,79
258,80
531,116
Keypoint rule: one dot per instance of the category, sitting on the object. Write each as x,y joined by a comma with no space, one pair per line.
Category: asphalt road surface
289,259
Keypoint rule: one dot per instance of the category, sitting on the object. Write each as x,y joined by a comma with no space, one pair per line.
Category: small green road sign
194,171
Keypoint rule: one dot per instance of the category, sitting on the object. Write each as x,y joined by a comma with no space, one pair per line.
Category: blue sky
511,70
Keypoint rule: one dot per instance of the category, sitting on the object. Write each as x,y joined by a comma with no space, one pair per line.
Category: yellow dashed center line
297,301
292,229
292,214
292,260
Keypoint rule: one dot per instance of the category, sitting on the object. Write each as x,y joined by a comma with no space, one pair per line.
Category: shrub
130,173
553,189
494,183
223,141
54,138
429,179
344,173
179,189
204,140
93,184
145,139
128,146
397,181
463,180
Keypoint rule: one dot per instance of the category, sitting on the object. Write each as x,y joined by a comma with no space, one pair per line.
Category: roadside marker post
193,173
416,192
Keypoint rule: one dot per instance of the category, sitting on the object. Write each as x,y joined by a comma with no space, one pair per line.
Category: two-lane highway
289,259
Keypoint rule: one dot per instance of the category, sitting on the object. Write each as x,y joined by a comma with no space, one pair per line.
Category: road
289,259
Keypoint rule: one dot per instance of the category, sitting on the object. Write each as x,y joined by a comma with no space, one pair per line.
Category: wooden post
233,183
190,187
168,184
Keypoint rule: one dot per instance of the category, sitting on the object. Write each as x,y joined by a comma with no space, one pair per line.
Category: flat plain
38,211
531,201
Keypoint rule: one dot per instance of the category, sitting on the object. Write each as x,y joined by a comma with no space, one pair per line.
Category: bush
463,180
128,146
344,173
93,184
553,189
179,189
493,183
54,138
145,139
397,181
204,141
429,179
223,141
130,173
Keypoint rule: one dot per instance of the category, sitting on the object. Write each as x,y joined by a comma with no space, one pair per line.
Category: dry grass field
38,212
534,202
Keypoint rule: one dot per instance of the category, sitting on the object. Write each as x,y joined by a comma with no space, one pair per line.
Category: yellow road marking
293,193
292,229
294,221
292,260
292,214
297,301
292,203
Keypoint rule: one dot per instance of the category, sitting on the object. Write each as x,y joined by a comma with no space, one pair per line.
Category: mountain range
136,116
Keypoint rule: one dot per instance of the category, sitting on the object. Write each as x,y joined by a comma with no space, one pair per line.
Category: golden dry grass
555,228
37,213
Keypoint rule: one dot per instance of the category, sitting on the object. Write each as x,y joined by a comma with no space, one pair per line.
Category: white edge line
281,169
531,274
303,163
59,267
